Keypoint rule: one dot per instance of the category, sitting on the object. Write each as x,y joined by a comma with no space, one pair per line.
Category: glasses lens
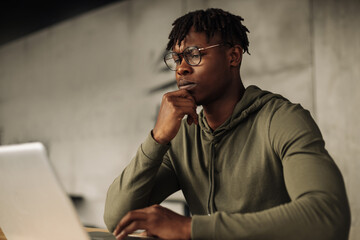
171,60
192,55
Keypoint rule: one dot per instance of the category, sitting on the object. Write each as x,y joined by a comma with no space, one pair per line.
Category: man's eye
195,55
176,58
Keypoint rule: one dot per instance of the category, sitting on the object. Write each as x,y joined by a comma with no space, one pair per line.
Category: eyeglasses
192,56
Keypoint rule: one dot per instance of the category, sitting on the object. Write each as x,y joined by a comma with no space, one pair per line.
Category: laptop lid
32,203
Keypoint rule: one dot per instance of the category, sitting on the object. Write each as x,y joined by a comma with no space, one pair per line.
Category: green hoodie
263,174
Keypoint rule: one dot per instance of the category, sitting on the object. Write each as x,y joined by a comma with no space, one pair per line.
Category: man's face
210,80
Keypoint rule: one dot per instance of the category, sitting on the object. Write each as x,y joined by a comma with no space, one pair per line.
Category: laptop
33,205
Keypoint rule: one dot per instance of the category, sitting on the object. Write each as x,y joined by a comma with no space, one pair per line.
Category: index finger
182,93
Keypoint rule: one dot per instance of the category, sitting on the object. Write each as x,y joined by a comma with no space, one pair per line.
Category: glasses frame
181,55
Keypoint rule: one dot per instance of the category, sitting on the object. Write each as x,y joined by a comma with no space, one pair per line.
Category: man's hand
156,221
174,106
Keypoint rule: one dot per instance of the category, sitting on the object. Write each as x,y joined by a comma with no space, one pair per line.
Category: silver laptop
32,203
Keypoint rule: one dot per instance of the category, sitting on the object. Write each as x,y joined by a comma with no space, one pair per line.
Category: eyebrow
200,48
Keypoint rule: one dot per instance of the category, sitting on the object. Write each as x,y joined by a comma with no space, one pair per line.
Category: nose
184,68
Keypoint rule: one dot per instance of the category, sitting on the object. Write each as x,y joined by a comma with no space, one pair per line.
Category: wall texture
88,87
337,74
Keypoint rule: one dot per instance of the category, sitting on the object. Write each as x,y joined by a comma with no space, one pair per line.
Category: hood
253,99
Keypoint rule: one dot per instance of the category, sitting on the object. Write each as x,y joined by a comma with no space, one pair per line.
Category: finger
191,112
189,120
187,110
185,104
175,101
194,119
144,234
181,93
128,218
181,99
192,115
132,227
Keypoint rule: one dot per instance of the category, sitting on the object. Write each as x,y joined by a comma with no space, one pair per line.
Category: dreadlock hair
210,21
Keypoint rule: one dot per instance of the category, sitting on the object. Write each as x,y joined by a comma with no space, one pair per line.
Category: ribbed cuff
203,227
152,149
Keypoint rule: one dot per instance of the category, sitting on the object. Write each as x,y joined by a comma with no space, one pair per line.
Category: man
252,165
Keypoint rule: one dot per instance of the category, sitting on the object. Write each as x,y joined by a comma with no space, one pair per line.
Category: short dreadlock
210,21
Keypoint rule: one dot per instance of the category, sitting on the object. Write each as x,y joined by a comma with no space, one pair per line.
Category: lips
184,84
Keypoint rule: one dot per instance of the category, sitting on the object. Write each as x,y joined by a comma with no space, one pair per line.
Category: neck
218,112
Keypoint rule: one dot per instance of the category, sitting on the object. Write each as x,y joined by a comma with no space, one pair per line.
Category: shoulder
281,113
288,115
292,129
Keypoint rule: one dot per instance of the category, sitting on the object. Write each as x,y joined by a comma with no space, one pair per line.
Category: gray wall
84,87
337,87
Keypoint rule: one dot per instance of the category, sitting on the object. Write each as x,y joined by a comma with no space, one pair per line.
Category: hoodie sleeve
319,207
147,180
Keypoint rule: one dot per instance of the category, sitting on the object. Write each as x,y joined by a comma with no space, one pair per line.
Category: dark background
22,17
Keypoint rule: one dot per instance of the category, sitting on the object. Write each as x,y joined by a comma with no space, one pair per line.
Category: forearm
317,216
132,189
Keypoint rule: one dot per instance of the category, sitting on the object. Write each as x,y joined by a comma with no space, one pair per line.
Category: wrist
187,228
158,138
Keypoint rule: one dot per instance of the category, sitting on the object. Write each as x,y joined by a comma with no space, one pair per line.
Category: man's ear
236,53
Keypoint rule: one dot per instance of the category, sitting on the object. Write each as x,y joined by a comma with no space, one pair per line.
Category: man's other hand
156,221
174,106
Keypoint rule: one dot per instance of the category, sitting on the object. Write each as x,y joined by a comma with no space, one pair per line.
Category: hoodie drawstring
211,204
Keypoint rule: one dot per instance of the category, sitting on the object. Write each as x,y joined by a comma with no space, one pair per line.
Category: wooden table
2,235
95,230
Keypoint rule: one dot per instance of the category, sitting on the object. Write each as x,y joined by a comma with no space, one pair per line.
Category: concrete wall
337,87
85,87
